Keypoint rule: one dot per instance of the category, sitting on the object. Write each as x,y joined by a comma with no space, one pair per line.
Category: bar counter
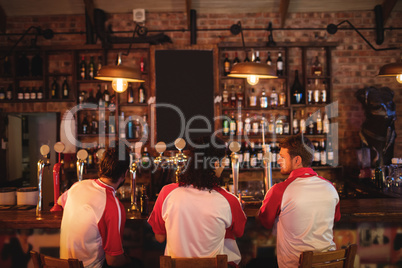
352,210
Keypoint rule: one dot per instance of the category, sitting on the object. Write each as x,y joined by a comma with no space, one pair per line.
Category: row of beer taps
177,161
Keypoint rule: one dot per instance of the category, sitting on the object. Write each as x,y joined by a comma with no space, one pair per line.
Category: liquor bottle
282,98
257,57
226,65
330,154
325,124
85,125
240,98
39,94
20,93
279,126
253,155
112,124
246,155
302,122
94,125
122,126
240,155
106,96
274,98
144,201
33,93
316,94
232,125
91,68
269,60
65,89
90,159
54,89
225,96
99,96
316,155
310,124
225,124
130,128
323,153
260,154
246,59
98,65
236,60
9,93
295,124
297,90
319,123
264,124
91,98
37,65
145,159
83,69
239,122
286,127
271,124
310,99
7,66
263,99
233,99
141,94
252,98
255,126
279,65
142,64
2,94
316,68
274,154
226,160
27,94
247,125
324,92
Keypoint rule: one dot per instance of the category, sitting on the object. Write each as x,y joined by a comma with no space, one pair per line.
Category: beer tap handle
235,147
58,148
81,156
44,151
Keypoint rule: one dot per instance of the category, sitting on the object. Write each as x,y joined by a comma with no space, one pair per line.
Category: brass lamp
120,75
252,71
392,69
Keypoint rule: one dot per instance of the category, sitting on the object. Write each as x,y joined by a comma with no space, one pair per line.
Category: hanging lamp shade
392,69
109,73
252,71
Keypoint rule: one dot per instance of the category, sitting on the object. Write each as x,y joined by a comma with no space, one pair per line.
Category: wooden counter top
352,210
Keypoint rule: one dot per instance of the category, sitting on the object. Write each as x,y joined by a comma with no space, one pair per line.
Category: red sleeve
271,206
111,225
239,218
155,219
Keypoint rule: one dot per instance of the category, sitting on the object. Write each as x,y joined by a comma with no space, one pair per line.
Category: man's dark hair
111,167
299,145
200,171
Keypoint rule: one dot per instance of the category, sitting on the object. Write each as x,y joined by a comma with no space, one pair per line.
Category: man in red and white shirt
196,216
93,218
303,208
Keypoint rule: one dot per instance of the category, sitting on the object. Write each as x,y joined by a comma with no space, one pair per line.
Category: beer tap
82,155
59,148
133,181
234,148
42,163
267,162
160,147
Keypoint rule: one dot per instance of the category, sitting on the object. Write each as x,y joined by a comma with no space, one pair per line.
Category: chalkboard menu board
184,94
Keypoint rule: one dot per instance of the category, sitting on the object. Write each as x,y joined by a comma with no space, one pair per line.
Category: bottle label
279,65
253,162
40,95
240,128
226,128
255,128
33,95
331,156
9,95
253,101
2,96
323,158
316,156
232,126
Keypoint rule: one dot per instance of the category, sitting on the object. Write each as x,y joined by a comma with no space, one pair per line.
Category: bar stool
220,261
342,258
43,261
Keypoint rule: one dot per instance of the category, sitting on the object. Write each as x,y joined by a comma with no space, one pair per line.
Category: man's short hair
299,145
111,166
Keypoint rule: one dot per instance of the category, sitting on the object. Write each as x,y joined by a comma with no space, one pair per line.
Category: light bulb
252,80
119,85
399,78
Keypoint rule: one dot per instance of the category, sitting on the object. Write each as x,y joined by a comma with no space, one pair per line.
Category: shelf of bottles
35,76
294,103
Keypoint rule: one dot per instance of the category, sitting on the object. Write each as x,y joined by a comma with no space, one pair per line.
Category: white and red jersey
92,224
304,208
198,223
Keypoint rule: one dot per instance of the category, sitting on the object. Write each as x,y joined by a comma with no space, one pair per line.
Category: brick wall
355,64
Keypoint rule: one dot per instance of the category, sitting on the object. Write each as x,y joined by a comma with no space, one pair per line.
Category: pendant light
252,71
118,74
392,69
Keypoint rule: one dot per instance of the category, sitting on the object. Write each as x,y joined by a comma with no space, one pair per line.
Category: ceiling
66,7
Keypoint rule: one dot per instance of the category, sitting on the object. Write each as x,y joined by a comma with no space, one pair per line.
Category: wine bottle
316,93
226,65
141,94
106,96
253,155
9,94
324,92
83,68
325,124
33,93
297,90
99,96
302,122
91,98
85,125
20,94
225,96
39,94
236,60
263,99
55,89
269,60
112,124
255,126
316,68
316,155
232,125
247,125
319,123
239,127
130,94
94,125
310,124
246,59
91,68
252,98
257,57
279,65
65,89
274,97
37,65
225,124
295,124
323,153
